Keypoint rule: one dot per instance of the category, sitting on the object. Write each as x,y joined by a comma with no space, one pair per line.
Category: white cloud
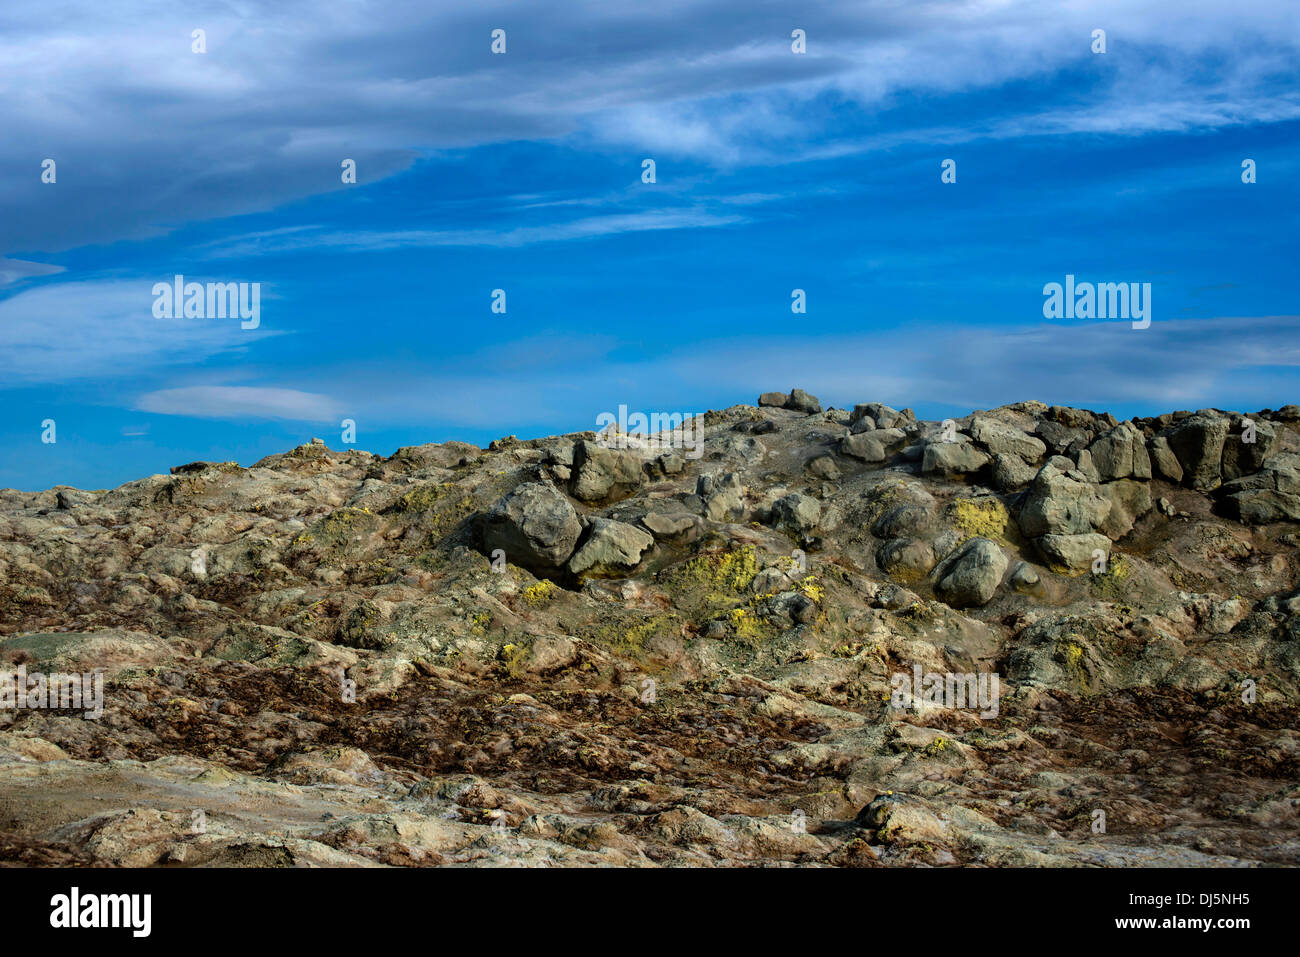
287,88
79,330
240,402
1187,362
591,227
16,270
1100,365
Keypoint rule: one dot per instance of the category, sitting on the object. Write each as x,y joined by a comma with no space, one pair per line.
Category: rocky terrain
562,652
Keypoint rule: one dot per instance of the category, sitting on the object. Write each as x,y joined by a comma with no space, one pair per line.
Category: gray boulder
1197,441
1270,495
1000,438
801,401
905,559
673,526
535,525
882,415
1163,461
611,548
952,458
971,574
874,445
1083,463
1024,577
864,446
823,466
908,520
599,473
1072,552
723,497
1011,472
796,513
1061,439
1062,503
1241,457
1129,501
1121,453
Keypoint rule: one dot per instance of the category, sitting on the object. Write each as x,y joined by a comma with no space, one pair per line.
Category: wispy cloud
16,270
80,330
286,91
1101,365
1173,363
240,403
592,227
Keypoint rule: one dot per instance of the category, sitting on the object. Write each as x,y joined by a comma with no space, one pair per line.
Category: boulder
891,439
1164,463
1080,418
881,415
599,473
801,401
1121,453
723,497
611,548
952,458
1083,463
796,513
1129,501
971,574
1062,503
864,446
561,453
1011,472
823,466
1261,506
672,526
1060,439
1242,457
535,525
905,559
1197,441
1270,495
908,520
1000,438
1024,577
1072,552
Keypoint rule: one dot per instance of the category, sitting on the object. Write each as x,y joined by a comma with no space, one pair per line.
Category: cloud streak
287,90
240,403
96,329
1108,366
16,270
592,227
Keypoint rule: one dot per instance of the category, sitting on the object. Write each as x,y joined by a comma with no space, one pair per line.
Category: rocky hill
565,651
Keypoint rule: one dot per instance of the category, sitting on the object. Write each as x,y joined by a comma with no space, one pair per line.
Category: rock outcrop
837,636
535,526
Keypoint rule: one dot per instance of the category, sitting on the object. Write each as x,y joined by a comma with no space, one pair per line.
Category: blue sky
522,171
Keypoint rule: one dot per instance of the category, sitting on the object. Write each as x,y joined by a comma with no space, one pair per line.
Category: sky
523,171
